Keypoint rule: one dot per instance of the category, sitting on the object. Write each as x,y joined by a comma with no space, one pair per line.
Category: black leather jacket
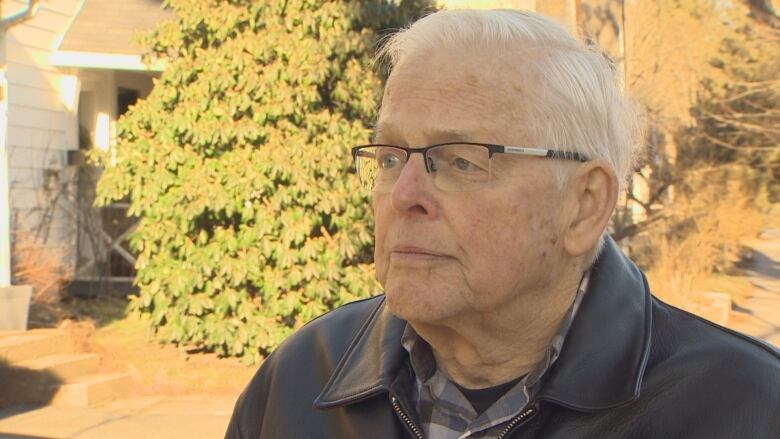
631,367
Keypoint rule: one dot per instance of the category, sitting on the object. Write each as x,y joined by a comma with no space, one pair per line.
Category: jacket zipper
514,422
418,434
404,417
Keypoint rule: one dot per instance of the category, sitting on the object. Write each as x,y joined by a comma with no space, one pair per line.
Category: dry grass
773,217
693,251
40,265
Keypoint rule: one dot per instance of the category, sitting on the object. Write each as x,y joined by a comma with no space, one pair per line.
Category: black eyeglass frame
491,147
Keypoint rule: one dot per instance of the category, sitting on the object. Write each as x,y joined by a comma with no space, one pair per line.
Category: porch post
5,202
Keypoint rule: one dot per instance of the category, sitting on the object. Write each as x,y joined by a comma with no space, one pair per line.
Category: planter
14,307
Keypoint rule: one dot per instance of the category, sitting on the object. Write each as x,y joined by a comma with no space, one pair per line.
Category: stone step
65,367
21,347
36,381
9,333
93,389
33,382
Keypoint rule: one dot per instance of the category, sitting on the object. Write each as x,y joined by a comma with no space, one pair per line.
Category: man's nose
413,191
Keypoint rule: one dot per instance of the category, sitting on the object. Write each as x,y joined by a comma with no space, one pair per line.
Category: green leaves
238,164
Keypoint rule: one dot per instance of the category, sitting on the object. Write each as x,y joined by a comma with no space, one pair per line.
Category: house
70,70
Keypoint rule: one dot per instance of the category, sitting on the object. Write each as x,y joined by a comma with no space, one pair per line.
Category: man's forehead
420,119
388,129
461,98
436,68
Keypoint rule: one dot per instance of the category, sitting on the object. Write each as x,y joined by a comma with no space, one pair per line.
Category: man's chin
414,306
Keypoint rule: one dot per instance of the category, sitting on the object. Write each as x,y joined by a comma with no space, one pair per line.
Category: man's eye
387,161
465,165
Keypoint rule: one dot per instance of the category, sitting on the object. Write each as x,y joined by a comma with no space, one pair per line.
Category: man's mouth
405,252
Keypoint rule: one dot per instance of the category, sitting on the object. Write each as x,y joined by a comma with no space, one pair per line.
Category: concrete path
191,417
759,316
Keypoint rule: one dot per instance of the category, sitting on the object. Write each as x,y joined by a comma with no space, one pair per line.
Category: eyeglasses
454,166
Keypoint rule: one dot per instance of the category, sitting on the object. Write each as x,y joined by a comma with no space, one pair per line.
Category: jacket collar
371,362
601,364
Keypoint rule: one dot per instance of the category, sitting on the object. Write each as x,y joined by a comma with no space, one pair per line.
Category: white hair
573,101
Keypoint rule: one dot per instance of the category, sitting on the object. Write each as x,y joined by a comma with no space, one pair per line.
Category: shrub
238,165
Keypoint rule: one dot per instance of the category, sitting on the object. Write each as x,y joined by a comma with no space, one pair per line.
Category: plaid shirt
443,411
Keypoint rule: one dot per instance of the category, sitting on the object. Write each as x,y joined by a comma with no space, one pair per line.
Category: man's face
443,255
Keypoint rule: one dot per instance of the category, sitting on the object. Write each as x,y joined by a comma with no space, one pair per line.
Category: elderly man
501,146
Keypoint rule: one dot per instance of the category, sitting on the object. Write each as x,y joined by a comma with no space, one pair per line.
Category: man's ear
593,191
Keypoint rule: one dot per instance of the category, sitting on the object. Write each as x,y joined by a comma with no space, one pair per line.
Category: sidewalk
170,417
759,316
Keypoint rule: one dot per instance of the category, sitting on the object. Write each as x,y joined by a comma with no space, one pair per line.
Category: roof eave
110,61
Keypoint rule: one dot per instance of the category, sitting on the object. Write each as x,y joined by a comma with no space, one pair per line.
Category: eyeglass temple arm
541,152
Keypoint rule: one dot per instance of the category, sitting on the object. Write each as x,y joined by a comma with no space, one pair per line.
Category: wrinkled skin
443,257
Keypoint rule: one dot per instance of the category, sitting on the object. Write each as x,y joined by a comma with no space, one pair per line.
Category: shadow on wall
22,386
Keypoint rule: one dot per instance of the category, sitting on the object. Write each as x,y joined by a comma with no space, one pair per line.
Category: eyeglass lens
453,167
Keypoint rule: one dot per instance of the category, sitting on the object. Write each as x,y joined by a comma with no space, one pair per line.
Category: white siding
24,178
33,76
24,198
34,158
38,121
34,97
33,138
